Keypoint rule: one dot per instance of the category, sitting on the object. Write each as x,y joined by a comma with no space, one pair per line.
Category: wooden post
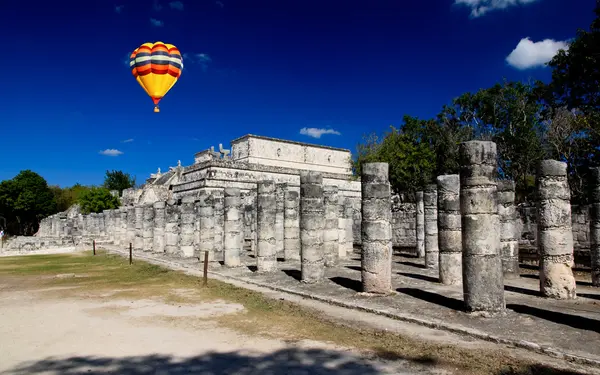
130,253
94,247
205,268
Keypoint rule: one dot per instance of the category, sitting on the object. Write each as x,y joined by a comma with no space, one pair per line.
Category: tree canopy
529,121
118,180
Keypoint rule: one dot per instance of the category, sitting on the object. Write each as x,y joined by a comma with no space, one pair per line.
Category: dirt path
93,335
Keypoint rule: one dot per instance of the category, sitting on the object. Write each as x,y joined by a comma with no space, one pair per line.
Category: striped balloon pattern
156,67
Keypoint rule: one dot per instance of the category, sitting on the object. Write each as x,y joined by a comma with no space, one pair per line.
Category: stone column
349,227
420,219
130,225
158,242
207,226
218,198
341,226
279,219
172,215
330,234
431,229
138,241
123,228
483,283
312,226
449,229
116,226
376,226
291,224
509,230
148,227
188,218
554,231
101,224
233,228
266,258
108,223
595,226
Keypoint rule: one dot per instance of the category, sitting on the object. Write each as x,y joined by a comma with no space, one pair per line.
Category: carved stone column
158,245
330,234
376,229
312,224
555,232
266,259
233,228
483,282
449,229
420,218
291,223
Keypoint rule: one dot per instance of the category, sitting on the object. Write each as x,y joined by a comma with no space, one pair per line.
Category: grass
85,276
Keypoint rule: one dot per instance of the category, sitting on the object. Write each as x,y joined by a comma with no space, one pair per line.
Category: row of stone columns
476,229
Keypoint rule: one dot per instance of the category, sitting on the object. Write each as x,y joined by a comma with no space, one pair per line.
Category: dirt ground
79,314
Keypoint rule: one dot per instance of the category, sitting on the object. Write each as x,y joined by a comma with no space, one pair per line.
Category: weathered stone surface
449,229
483,281
331,231
431,228
376,229
148,227
172,214
266,257
291,224
595,226
158,245
347,246
420,220
509,229
218,199
233,228
279,219
187,226
207,225
555,236
138,241
123,234
312,225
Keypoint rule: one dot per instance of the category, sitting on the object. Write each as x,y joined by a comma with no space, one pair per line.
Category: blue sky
266,67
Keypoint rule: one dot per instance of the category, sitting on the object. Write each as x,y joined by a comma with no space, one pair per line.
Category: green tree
25,200
118,180
572,102
68,196
97,199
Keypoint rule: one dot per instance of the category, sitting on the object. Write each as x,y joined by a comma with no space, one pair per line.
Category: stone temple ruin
280,199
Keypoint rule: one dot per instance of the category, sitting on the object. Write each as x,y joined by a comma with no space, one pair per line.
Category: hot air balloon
156,67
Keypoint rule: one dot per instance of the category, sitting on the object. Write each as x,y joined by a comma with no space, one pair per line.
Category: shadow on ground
287,361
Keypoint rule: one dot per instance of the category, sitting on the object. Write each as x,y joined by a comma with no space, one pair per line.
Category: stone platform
568,329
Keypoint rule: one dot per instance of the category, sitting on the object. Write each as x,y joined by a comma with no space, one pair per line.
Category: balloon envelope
156,67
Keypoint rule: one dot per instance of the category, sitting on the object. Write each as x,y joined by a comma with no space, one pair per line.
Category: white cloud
528,54
111,152
156,6
220,3
318,132
201,59
481,7
128,140
119,8
178,5
156,23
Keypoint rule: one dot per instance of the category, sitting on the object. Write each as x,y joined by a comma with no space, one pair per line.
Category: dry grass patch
108,277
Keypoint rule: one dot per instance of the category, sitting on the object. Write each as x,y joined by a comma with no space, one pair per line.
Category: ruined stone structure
312,226
431,227
376,229
509,229
483,281
555,236
420,225
449,229
595,227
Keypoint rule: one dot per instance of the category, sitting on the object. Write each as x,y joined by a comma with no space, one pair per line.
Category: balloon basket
156,110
